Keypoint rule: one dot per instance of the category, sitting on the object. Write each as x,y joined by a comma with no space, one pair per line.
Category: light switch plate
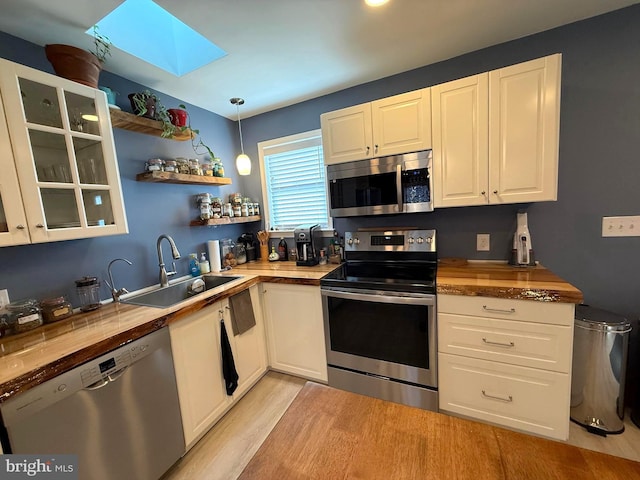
628,226
483,242
4,297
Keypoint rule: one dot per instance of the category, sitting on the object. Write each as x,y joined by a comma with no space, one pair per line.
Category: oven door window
365,191
383,331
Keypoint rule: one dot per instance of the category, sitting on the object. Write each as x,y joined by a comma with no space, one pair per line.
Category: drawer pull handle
498,310
498,344
494,397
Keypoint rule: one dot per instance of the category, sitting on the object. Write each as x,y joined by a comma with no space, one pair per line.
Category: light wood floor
227,448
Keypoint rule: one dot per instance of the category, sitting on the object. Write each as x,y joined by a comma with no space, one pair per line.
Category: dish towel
228,365
242,317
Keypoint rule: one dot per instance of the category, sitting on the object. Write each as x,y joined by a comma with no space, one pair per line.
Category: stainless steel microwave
384,185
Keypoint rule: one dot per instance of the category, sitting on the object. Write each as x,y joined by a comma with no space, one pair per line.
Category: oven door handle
399,187
380,297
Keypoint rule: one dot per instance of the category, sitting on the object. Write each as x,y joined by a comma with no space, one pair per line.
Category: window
293,182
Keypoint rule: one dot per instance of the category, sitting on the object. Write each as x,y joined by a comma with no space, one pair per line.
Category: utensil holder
264,253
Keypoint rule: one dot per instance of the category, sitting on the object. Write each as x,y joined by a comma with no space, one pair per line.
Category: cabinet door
64,155
402,123
195,342
13,222
295,333
524,114
249,348
460,142
346,134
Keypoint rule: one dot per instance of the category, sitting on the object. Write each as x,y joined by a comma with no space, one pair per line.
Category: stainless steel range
380,317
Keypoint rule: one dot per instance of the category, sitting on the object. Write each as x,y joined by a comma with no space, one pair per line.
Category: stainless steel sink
178,292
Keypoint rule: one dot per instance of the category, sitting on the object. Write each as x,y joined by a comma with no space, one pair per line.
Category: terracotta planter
178,117
74,64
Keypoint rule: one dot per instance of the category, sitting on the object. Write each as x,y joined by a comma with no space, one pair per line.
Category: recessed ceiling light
147,31
375,3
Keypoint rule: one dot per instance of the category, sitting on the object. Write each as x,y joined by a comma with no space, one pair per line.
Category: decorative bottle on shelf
282,249
194,266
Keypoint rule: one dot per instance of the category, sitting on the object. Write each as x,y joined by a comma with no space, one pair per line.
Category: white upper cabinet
524,114
496,136
61,144
460,141
389,126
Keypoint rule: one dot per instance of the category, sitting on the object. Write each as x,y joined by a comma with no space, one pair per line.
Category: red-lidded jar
54,309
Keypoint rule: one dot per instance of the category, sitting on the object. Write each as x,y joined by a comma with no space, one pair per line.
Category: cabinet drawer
519,343
522,398
555,313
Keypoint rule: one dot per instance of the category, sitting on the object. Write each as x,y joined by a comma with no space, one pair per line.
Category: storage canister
154,165
54,309
24,315
171,166
194,167
88,290
183,165
216,207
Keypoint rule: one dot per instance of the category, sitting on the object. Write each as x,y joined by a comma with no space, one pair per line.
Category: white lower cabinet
195,342
295,332
506,362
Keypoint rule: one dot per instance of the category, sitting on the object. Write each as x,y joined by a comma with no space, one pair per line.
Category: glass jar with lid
218,168
56,308
154,165
183,165
207,169
216,207
194,167
24,315
88,290
171,166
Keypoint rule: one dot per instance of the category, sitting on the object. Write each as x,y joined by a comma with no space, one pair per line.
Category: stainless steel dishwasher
119,413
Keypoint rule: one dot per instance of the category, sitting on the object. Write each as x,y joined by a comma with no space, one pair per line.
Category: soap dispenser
204,264
194,266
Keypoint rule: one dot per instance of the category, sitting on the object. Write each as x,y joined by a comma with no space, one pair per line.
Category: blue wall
42,270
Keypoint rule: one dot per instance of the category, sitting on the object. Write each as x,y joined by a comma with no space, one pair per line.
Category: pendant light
243,162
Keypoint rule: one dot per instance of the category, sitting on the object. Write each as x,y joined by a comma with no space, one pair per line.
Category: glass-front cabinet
56,144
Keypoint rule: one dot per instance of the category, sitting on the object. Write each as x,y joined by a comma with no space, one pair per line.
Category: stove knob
356,241
429,239
350,241
410,240
420,240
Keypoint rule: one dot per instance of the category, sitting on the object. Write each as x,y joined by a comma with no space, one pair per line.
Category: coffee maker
250,245
307,238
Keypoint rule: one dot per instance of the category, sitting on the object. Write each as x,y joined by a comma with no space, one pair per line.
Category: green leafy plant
101,45
198,145
141,103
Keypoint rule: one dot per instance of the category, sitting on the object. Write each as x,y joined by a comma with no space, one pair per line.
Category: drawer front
525,399
519,343
554,313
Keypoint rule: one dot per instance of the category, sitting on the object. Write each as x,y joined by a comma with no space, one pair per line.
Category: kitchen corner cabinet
389,126
295,333
56,143
496,136
195,342
507,362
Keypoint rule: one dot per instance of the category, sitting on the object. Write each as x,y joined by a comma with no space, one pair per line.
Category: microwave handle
399,187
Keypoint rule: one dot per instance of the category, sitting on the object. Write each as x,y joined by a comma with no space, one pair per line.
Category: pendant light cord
240,128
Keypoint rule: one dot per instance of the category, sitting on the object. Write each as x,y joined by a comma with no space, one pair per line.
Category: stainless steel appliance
307,238
380,317
119,413
393,184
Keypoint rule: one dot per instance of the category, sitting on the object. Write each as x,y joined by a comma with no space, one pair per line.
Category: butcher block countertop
333,434
500,280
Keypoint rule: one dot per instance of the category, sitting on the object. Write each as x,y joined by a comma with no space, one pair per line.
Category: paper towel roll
214,255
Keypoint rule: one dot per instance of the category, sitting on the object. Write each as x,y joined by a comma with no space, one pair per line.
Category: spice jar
154,165
194,167
88,290
171,166
24,315
183,165
216,207
205,211
207,169
228,210
54,309
218,168
256,208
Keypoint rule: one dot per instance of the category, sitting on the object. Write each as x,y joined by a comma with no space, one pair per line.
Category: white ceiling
281,52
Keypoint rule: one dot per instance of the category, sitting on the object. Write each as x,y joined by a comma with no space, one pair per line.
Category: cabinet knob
376,148
483,192
20,227
368,148
495,192
39,225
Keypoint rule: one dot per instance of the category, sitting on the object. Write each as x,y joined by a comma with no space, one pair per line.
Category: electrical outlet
4,297
628,226
483,242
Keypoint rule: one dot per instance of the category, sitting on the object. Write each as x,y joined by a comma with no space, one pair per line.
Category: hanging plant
147,104
199,147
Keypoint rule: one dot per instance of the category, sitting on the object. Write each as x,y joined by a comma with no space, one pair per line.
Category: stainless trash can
600,344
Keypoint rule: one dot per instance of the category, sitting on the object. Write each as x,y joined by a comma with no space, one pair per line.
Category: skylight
147,31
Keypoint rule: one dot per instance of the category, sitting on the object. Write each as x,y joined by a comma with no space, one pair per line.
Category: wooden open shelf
135,123
168,177
224,221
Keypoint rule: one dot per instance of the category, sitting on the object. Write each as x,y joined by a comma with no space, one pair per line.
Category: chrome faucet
164,275
116,293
